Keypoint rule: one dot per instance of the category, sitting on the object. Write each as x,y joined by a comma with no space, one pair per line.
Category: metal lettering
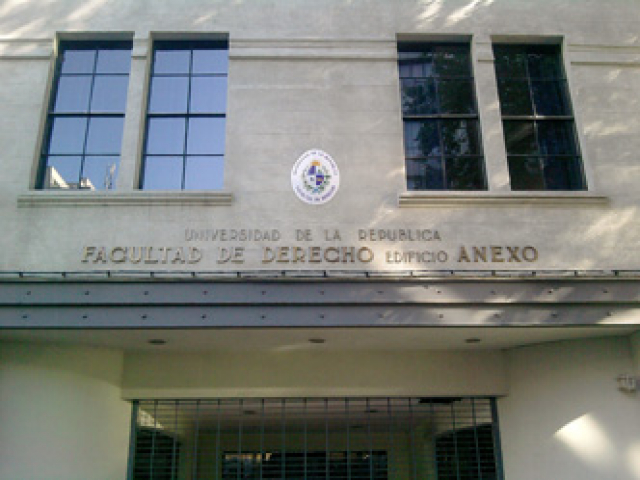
496,254
513,254
283,255
463,256
348,254
195,255
365,251
86,253
333,259
479,253
121,258
530,254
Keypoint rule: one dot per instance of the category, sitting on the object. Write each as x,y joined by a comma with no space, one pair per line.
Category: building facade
335,239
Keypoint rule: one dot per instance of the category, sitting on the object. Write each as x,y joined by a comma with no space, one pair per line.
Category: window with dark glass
539,130
441,128
85,121
184,147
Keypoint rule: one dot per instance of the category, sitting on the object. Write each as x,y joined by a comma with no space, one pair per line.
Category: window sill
57,198
506,199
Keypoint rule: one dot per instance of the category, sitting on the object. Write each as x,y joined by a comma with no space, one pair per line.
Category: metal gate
452,438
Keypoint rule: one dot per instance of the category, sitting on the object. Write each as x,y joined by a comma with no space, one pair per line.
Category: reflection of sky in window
206,136
204,173
78,61
169,95
208,94
110,94
171,61
91,85
67,167
114,61
73,94
210,61
163,173
101,171
188,89
105,135
67,135
166,136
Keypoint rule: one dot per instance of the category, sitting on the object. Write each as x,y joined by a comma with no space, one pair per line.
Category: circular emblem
315,177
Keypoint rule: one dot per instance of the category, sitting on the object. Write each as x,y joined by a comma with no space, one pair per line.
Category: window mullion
443,162
186,121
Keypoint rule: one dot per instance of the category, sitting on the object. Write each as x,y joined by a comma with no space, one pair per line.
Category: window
85,120
184,147
538,125
441,127
376,438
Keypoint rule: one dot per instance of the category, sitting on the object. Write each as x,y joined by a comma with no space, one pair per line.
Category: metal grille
315,438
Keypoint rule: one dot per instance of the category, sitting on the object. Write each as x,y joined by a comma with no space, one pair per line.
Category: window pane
62,172
460,137
563,173
549,97
206,136
105,135
453,61
425,174
169,94
110,94
416,64
67,135
114,61
520,138
525,173
456,96
421,139
464,173
163,173
78,61
166,136
556,138
100,173
208,95
545,63
514,97
210,61
73,94
510,62
171,61
419,96
204,173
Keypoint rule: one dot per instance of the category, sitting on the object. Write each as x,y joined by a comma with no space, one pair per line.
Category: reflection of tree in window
440,118
538,126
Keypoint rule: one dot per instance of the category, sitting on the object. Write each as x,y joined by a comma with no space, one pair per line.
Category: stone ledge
508,199
48,199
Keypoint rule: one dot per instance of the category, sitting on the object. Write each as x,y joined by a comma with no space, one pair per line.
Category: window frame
190,45
88,114
438,117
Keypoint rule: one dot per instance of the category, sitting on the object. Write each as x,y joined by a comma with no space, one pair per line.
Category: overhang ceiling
314,339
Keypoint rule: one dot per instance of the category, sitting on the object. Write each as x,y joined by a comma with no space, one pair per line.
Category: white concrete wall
298,374
564,417
635,346
323,74
61,413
